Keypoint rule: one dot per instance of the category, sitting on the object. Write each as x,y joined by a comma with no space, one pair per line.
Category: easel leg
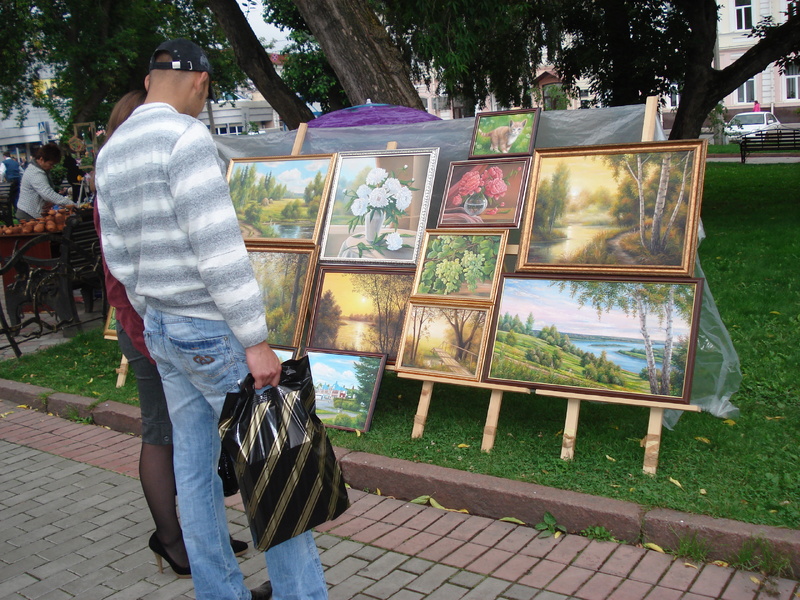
422,409
490,430
122,371
570,429
652,443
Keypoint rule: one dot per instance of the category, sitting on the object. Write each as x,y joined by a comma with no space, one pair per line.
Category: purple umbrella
372,114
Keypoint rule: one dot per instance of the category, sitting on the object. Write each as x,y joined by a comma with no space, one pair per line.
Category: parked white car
750,122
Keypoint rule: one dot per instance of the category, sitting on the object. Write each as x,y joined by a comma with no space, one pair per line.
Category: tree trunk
666,365
358,47
652,374
254,60
661,201
704,87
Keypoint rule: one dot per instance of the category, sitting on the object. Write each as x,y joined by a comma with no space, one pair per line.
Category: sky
262,29
332,368
294,174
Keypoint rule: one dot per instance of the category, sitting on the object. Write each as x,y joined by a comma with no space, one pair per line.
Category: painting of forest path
444,341
634,211
280,197
618,337
360,310
345,387
284,280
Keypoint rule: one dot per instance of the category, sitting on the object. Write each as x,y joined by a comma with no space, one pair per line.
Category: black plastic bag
225,469
287,472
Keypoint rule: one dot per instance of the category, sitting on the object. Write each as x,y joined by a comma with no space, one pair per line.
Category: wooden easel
652,441
492,415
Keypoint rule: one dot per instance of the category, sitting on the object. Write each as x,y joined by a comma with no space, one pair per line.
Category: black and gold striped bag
287,472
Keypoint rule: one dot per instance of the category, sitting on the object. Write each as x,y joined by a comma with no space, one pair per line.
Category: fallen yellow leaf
91,379
512,520
656,547
720,563
705,440
690,565
610,458
775,418
420,500
755,580
729,422
5,414
463,446
378,491
22,406
703,492
435,504
559,432
358,433
676,482
774,312
557,535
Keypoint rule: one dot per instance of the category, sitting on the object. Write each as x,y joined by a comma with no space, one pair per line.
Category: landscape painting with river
280,198
615,209
360,310
619,337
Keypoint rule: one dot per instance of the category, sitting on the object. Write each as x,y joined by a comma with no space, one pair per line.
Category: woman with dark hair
35,189
156,472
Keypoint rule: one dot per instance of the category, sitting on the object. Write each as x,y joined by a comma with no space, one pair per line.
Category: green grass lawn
746,470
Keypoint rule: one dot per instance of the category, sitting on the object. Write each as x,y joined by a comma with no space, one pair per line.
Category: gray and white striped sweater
169,230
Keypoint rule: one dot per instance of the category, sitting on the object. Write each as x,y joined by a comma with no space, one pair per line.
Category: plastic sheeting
717,373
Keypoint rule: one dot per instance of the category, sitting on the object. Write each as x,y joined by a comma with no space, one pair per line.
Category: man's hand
264,365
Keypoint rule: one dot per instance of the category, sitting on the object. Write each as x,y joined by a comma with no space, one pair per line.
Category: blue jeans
200,361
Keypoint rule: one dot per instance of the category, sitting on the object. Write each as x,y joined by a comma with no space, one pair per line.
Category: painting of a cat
509,133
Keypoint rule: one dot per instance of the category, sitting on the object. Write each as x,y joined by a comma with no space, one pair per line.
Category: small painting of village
345,387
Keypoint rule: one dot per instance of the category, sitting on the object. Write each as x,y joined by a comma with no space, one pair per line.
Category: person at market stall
12,174
171,237
156,473
35,190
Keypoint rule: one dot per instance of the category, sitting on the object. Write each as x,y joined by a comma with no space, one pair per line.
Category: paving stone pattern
74,524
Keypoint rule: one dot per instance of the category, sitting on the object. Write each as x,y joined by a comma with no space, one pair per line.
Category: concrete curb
481,495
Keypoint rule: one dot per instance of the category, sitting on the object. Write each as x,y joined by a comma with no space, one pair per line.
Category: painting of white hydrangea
379,205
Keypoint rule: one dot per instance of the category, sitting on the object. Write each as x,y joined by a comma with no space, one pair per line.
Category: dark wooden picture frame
337,405
596,335
360,309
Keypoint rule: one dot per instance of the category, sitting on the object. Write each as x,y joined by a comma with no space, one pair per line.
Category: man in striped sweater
170,235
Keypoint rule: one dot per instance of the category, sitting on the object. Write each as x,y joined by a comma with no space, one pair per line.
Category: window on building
792,75
746,92
553,97
744,14
441,102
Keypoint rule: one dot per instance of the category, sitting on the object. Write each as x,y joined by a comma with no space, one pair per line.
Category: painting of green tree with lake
280,198
448,341
615,209
617,337
284,277
361,310
345,387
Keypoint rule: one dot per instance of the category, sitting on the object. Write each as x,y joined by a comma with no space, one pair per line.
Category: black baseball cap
186,56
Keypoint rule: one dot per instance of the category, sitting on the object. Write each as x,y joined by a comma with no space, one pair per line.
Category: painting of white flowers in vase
378,206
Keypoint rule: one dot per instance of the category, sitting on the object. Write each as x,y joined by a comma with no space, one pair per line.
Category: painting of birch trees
615,209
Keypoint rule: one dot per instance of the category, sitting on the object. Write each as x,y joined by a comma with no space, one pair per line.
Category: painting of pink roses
485,193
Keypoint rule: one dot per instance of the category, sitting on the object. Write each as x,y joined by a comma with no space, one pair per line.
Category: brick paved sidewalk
74,524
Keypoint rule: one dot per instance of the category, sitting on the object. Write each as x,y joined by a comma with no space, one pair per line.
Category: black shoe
262,592
158,549
239,548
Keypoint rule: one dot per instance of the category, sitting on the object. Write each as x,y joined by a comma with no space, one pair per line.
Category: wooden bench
773,139
45,286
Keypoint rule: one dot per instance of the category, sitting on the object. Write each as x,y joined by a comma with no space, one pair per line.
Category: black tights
157,476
